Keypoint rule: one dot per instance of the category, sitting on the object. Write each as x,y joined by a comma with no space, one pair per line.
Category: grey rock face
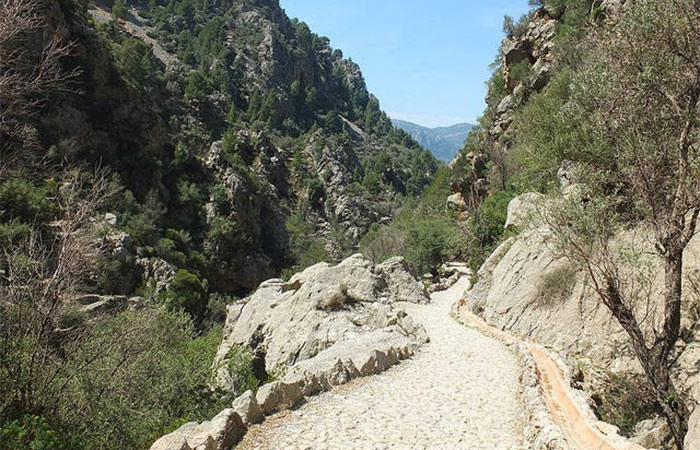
248,408
508,295
220,433
157,273
522,209
401,285
319,308
171,441
692,439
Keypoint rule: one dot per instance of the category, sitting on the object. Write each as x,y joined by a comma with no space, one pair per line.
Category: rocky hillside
598,251
443,142
323,328
159,161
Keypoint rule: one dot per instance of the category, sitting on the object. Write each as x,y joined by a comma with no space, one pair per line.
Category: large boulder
247,406
285,323
220,433
173,441
401,285
523,208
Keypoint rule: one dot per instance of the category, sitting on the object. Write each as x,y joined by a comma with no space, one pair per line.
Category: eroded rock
319,308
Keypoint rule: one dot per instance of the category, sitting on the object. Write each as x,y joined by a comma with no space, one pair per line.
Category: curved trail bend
460,391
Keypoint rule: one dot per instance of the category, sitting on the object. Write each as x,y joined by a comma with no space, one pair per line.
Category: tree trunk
655,359
672,404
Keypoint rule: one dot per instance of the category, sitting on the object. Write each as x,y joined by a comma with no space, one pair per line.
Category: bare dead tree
39,277
31,68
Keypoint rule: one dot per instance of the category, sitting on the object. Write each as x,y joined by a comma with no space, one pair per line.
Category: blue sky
426,60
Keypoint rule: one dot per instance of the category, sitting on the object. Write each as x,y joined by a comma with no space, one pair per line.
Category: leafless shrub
31,68
38,278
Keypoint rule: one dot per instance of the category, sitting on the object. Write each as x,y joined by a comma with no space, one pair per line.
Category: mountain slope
443,142
144,193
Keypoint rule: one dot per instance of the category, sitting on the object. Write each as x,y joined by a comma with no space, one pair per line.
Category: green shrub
240,366
13,232
556,285
135,61
148,371
521,72
623,400
35,433
430,243
486,229
22,200
120,10
186,293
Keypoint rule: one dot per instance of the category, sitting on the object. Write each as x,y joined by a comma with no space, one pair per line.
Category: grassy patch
557,285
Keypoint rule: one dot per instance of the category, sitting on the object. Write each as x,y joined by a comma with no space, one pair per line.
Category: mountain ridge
444,142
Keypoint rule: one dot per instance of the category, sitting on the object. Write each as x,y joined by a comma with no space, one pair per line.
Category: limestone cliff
529,288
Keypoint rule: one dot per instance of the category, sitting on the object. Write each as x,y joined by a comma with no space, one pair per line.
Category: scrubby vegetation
125,233
624,400
556,285
619,111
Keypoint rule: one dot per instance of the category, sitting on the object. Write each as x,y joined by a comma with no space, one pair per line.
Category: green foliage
521,72
120,10
431,242
187,293
557,131
624,400
304,248
486,229
240,366
424,232
135,61
13,232
198,86
514,29
22,200
35,433
159,371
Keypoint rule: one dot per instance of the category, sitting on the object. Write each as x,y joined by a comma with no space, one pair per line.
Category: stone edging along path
565,422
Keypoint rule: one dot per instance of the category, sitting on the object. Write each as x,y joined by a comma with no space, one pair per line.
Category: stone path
566,413
461,391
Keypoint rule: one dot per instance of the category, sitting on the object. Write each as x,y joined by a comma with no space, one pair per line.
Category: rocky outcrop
221,433
254,208
522,209
324,327
285,323
692,439
511,295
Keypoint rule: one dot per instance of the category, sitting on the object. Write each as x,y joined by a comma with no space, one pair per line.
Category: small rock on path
461,391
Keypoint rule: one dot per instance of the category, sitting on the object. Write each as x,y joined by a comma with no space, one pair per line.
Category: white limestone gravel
461,391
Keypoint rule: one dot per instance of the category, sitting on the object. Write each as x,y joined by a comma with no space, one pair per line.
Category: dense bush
22,200
35,433
186,293
424,232
149,372
624,399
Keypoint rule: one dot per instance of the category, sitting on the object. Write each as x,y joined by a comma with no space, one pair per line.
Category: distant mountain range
444,142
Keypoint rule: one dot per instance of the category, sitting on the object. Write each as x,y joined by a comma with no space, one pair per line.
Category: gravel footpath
461,391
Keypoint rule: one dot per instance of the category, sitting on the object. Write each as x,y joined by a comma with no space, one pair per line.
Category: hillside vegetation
159,160
602,98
